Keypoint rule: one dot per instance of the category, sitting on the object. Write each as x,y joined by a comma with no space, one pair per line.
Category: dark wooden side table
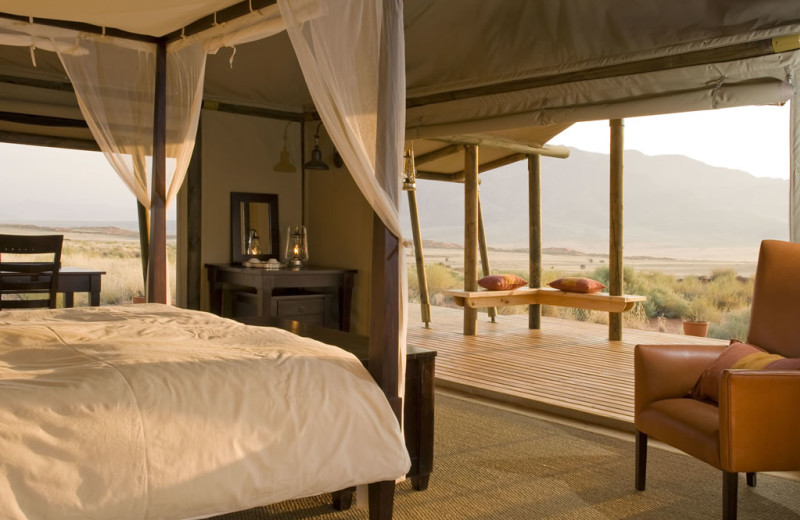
418,402
306,294
79,279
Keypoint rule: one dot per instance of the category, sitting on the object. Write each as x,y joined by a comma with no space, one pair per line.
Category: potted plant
696,321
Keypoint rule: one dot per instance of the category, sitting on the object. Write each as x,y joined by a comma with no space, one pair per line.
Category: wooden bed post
384,323
535,236
484,250
615,267
157,265
194,230
144,238
470,234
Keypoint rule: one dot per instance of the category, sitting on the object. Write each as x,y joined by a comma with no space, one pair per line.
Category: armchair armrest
759,420
669,371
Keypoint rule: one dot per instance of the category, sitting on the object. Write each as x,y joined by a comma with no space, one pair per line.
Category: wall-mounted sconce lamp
285,163
316,162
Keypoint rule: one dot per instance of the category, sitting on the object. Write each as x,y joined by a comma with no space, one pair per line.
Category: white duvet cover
154,412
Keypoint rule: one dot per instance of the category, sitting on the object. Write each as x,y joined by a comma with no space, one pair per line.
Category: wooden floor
566,368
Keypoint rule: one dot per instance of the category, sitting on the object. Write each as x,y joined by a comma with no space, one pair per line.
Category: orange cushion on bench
501,282
577,284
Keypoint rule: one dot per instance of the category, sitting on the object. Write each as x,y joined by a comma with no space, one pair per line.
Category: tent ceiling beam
438,154
459,176
254,111
32,119
208,104
64,86
49,141
443,177
734,52
560,152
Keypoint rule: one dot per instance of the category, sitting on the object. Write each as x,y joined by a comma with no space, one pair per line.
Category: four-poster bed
476,71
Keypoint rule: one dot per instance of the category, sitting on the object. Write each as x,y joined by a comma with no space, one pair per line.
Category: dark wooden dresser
314,295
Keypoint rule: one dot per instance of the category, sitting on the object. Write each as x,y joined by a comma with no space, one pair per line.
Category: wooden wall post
615,267
535,236
470,234
484,250
157,265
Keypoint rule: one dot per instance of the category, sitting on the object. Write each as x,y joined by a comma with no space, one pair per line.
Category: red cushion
738,355
577,284
501,282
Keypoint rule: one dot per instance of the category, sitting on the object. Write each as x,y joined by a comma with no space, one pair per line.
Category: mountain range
670,202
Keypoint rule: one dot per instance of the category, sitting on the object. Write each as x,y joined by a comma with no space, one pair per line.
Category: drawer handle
300,308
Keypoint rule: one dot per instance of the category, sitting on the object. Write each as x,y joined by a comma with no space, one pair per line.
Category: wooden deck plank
568,368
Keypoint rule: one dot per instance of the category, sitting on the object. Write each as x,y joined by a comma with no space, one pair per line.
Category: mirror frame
238,198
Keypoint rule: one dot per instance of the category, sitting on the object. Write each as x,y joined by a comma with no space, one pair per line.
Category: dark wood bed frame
384,311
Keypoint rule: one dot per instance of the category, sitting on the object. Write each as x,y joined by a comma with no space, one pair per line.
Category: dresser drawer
300,305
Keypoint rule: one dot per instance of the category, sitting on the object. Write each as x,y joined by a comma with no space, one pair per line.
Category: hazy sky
753,139
54,184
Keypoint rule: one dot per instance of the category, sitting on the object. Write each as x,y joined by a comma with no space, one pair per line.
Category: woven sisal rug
493,463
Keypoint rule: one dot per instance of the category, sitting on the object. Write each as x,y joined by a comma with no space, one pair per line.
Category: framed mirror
254,226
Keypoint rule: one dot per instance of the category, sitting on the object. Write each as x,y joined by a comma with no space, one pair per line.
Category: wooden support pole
194,228
470,234
484,250
157,265
422,279
144,238
384,319
535,236
615,267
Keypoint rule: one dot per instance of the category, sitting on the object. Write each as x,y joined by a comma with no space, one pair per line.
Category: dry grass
121,261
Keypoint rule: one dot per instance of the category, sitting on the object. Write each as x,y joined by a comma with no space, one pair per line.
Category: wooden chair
756,425
29,284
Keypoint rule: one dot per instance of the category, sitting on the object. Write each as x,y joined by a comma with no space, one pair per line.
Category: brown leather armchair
756,426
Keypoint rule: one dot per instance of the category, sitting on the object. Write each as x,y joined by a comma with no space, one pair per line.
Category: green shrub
734,325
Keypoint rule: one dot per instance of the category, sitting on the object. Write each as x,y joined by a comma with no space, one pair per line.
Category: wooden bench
545,296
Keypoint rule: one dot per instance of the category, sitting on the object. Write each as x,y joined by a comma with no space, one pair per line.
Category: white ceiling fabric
149,17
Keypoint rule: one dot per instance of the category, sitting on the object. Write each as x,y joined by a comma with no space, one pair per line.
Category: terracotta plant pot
695,328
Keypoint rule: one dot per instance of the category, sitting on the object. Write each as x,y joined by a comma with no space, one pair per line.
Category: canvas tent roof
458,45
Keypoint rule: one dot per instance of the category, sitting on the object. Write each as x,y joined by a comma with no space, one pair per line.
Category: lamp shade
316,162
285,164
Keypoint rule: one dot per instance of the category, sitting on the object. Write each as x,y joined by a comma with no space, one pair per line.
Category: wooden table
76,279
418,402
300,294
79,279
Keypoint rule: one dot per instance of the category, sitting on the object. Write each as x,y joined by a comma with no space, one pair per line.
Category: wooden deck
567,368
